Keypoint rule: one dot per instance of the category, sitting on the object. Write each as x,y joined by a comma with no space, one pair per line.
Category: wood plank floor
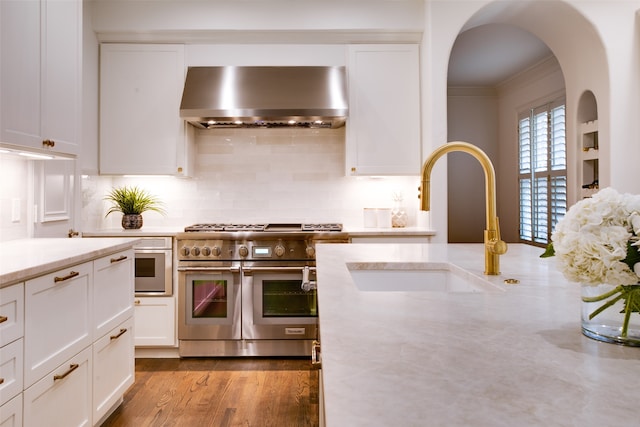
220,392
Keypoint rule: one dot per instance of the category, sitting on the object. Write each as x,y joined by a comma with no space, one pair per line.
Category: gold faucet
493,245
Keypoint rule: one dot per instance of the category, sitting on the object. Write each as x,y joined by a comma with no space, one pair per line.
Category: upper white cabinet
141,131
383,130
41,73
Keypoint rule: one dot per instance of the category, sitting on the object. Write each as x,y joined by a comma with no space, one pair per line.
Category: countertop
27,258
511,357
172,231
141,232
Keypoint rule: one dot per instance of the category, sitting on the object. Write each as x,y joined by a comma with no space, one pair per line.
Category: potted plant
132,201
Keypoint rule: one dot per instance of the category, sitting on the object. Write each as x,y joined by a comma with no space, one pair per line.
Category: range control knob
216,251
279,250
195,251
311,251
206,251
184,251
243,251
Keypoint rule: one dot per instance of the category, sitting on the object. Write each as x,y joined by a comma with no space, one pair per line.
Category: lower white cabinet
11,412
113,368
155,324
11,359
62,398
57,319
113,291
76,358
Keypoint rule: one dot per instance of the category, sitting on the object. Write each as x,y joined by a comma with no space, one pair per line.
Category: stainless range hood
264,97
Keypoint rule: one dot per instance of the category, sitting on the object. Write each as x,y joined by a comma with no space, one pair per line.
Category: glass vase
606,315
398,216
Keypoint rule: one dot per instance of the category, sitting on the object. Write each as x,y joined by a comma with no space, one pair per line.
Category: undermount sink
417,277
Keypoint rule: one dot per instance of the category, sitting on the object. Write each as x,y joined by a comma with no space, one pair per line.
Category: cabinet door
20,73
383,131
11,313
58,322
63,397
155,321
11,413
113,289
40,74
113,367
140,92
11,358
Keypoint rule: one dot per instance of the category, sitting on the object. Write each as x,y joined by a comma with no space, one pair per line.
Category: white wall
16,171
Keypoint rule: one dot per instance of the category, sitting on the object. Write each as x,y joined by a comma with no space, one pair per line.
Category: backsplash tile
267,175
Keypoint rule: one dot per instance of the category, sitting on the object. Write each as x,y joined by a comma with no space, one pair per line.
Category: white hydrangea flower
591,240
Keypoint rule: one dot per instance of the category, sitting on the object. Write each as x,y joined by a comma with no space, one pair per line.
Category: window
542,171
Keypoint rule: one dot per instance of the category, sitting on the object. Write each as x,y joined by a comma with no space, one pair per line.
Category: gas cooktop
292,227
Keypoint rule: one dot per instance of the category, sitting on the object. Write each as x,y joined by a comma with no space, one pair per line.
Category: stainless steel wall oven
154,266
249,290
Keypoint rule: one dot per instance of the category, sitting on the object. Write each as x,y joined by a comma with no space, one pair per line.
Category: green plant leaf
631,296
549,251
133,200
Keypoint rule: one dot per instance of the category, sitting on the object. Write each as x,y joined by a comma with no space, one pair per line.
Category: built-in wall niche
589,145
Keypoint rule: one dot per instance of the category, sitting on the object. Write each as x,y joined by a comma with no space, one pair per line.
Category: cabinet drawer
11,413
10,370
57,319
11,313
113,289
63,397
113,367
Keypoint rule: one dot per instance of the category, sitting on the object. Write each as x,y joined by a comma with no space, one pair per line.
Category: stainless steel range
249,289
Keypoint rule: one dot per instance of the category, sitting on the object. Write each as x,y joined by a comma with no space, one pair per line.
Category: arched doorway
548,22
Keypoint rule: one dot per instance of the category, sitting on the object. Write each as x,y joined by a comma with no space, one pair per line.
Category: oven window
285,298
145,267
209,298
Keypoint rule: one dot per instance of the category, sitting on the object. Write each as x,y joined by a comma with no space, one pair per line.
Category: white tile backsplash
266,175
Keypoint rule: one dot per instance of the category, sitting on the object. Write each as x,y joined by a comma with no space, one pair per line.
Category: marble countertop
511,357
141,232
27,258
397,231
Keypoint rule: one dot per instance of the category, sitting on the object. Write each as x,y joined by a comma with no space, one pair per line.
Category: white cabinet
155,321
113,368
40,74
57,319
141,131
11,313
11,358
113,291
62,397
11,413
383,130
78,342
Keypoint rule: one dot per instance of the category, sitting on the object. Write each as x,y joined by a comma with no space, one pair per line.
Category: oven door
275,306
209,303
153,272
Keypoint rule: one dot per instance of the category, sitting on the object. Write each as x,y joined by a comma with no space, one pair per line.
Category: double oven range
249,289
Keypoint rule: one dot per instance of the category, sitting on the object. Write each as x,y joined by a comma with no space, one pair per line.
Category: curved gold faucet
493,245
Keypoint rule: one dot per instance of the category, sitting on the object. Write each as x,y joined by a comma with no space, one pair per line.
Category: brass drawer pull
72,368
1,380
3,319
115,337
121,258
48,143
67,277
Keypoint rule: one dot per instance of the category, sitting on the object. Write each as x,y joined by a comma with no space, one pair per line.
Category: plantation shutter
542,171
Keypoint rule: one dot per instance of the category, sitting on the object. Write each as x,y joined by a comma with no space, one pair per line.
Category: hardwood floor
220,392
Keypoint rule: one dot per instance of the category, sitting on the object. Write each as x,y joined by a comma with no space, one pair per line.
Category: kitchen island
509,356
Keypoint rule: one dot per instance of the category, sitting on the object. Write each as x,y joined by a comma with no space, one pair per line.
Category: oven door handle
231,269
248,271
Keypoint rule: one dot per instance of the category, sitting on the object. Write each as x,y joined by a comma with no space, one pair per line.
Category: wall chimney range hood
265,97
